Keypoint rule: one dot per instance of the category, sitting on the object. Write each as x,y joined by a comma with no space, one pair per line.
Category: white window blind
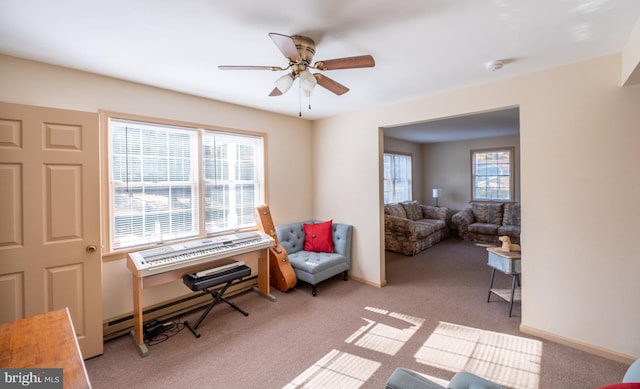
397,178
157,175
232,180
154,183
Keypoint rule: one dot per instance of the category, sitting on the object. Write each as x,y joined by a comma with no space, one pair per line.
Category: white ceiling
421,47
478,125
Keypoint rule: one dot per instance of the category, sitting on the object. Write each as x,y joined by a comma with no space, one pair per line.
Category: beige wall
447,166
579,137
579,143
346,173
631,58
289,180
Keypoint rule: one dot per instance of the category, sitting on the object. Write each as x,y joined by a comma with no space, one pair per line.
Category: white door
50,255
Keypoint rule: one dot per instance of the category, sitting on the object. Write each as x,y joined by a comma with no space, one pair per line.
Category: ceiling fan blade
275,92
331,84
362,61
286,45
273,68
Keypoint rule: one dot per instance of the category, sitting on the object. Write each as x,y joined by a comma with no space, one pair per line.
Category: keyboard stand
205,283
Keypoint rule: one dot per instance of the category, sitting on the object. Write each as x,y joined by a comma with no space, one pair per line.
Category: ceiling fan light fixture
307,81
307,93
284,83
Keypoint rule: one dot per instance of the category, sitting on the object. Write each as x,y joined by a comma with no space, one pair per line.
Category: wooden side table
508,263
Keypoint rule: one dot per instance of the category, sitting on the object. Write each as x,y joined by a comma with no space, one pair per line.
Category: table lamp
436,195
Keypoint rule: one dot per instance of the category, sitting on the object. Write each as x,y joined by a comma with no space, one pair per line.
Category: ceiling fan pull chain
299,99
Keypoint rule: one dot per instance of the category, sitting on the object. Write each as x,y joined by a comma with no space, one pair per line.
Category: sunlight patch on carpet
385,338
507,360
337,369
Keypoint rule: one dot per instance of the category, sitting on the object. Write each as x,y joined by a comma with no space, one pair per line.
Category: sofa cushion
488,213
424,228
511,215
433,223
512,231
412,209
314,263
484,228
431,212
318,237
395,210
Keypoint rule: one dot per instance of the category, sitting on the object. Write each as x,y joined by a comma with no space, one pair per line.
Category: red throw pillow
318,237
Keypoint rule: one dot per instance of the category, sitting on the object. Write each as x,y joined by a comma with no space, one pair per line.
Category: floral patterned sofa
485,222
410,227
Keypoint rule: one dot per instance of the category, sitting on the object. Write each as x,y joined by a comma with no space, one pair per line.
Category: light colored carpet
431,317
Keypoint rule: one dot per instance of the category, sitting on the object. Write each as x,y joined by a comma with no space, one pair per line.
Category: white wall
580,143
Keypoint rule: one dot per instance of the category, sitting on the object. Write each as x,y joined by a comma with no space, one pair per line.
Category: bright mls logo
26,378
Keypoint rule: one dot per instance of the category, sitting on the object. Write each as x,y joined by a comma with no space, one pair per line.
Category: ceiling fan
299,50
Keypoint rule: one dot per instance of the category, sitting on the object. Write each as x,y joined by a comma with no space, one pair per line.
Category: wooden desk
47,340
508,263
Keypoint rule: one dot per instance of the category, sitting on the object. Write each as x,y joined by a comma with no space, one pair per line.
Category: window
397,178
171,182
492,174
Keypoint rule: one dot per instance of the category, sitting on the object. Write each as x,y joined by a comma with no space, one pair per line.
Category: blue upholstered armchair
409,379
314,267
631,379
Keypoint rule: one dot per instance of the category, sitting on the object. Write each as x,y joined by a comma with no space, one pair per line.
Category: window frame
111,253
511,175
394,180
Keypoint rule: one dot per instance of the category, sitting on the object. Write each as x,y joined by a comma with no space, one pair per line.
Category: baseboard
365,281
599,351
121,325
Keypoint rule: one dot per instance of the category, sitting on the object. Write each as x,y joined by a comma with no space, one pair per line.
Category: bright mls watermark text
28,378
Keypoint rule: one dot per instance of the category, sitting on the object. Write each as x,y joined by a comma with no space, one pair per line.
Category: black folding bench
204,284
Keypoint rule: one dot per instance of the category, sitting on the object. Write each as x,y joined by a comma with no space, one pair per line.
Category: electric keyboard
167,258
219,268
229,274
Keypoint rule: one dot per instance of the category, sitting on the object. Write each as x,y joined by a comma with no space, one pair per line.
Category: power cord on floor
156,332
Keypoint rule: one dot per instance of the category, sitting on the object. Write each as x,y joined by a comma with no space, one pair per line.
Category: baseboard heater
119,326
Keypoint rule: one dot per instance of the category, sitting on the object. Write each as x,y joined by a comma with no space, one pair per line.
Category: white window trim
511,151
108,252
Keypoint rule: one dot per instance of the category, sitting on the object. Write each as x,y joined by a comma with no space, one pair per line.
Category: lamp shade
437,193
284,83
307,81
